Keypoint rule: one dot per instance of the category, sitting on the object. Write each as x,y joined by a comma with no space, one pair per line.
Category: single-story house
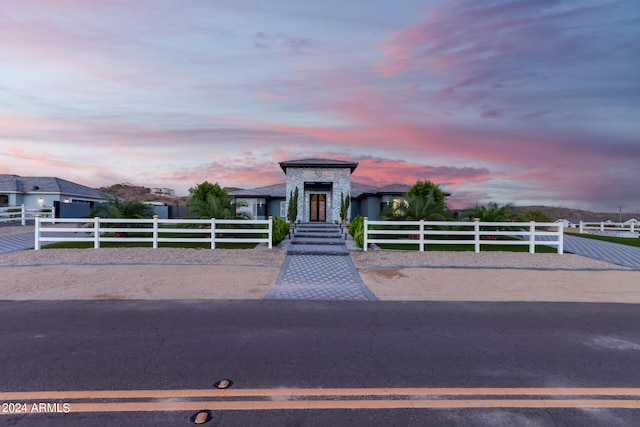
321,185
626,220
47,192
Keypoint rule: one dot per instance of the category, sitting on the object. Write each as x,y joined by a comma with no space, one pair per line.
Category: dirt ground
389,275
79,282
486,284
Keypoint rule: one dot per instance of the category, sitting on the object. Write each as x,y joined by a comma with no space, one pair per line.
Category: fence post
561,236
213,233
155,232
476,232
581,226
23,215
37,235
602,226
53,214
422,235
366,233
270,232
96,232
532,237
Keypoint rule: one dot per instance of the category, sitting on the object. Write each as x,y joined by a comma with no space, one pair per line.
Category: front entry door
318,207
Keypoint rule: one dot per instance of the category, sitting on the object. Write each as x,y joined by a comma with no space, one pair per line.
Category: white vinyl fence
22,214
153,230
426,233
608,226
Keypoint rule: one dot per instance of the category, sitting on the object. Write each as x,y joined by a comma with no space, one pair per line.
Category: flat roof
317,163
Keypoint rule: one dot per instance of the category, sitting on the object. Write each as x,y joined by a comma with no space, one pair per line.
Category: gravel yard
483,259
275,257
174,273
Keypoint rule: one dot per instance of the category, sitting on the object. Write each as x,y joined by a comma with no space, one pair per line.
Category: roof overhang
318,163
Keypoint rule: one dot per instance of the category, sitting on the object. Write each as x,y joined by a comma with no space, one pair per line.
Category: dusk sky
527,102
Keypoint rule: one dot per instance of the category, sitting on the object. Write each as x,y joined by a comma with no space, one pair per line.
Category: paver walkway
615,253
317,267
16,242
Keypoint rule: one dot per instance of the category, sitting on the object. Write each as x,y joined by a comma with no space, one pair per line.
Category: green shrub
359,237
356,229
356,224
280,230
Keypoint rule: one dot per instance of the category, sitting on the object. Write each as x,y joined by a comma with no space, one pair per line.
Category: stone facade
332,182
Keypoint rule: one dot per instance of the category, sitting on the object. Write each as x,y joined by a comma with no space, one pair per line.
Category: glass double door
318,207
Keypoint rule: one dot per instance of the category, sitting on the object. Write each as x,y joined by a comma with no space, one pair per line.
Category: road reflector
200,418
223,384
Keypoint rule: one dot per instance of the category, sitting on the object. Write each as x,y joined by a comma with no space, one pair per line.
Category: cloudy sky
528,101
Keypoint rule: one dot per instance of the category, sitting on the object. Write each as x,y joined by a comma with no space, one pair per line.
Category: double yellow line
329,398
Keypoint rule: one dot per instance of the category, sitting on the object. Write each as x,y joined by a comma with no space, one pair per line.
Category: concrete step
317,250
321,235
317,241
318,225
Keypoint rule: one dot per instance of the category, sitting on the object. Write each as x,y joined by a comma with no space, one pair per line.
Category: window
283,209
4,200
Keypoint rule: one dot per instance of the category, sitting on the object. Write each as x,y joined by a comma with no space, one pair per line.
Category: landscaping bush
356,224
359,238
356,229
280,230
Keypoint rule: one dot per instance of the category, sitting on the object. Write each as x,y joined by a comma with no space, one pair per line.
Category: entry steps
312,271
318,239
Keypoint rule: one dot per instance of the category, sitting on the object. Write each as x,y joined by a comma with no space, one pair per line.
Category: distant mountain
128,191
558,212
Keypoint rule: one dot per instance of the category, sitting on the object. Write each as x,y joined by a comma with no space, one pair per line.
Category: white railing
22,214
99,230
425,233
608,226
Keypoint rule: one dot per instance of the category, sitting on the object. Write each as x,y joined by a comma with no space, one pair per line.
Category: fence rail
425,233
153,230
22,213
609,226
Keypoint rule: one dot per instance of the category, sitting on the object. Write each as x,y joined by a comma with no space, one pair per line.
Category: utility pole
620,214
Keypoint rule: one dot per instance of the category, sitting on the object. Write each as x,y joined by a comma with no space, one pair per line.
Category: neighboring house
321,184
626,220
163,191
47,192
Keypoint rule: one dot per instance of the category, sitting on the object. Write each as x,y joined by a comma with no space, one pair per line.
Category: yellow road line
307,392
349,404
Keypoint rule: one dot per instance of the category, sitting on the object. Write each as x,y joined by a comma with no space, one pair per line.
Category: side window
4,200
283,209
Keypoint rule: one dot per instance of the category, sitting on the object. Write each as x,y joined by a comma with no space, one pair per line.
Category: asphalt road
305,363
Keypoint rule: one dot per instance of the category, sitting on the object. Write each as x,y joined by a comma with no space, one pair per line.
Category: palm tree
131,209
217,206
413,207
492,213
536,215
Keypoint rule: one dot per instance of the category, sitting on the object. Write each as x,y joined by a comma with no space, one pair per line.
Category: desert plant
535,215
216,206
292,212
425,200
356,224
345,201
491,213
204,189
280,230
359,238
116,208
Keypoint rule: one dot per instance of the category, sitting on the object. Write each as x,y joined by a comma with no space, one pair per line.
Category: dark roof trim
317,163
